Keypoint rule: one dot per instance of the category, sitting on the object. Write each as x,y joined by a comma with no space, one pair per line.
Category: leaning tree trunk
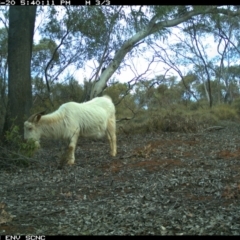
20,40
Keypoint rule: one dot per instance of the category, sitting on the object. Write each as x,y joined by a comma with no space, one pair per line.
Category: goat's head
32,129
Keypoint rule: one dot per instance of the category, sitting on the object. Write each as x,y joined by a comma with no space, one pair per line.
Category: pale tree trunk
206,91
20,40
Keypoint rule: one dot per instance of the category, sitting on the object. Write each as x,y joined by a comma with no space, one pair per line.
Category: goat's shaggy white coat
94,118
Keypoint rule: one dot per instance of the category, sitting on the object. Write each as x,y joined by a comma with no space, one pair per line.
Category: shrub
225,112
17,150
236,105
175,119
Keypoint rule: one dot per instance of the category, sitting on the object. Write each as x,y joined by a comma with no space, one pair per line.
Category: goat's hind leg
111,134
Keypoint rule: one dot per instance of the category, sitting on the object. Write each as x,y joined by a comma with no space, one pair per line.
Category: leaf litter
158,184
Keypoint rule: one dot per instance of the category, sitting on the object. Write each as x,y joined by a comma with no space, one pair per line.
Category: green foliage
71,90
236,105
198,105
96,28
116,91
225,112
42,53
125,105
164,11
17,150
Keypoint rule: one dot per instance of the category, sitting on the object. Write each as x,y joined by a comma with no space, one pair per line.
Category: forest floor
159,184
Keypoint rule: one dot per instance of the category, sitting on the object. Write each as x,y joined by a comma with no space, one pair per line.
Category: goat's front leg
71,150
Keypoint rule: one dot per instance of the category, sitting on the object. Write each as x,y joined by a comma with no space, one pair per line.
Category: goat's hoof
70,163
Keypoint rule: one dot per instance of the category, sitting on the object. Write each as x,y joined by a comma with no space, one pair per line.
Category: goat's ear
39,115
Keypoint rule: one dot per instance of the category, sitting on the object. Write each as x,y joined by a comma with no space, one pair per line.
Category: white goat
94,118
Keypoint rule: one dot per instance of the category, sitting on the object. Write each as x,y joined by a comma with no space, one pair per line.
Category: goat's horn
31,118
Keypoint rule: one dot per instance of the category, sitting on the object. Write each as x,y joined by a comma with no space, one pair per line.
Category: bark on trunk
20,39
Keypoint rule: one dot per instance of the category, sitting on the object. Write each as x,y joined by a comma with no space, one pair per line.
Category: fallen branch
214,128
126,118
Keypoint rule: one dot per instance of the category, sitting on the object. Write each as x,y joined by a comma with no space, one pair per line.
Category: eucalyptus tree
157,20
192,50
110,35
226,32
228,79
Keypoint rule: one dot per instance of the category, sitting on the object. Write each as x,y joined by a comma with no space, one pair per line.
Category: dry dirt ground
159,183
